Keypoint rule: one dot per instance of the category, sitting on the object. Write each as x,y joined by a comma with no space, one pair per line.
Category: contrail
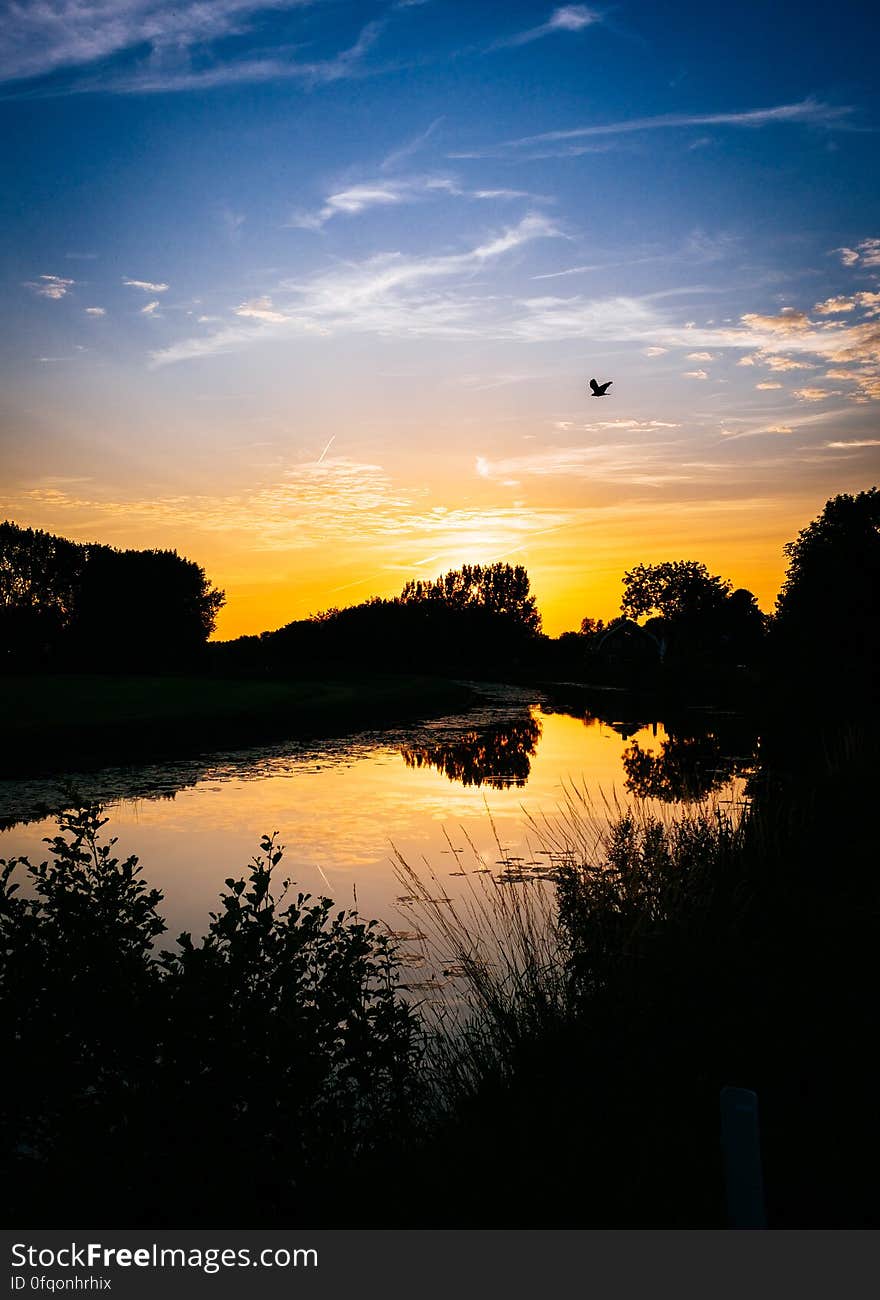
324,452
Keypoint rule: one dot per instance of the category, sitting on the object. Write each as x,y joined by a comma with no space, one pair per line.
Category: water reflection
492,741
686,769
498,756
343,807
685,759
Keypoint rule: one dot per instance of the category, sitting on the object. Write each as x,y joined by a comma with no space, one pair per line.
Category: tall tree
500,589
828,610
87,605
697,613
675,589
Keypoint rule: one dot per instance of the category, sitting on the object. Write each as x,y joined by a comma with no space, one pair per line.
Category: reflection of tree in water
704,749
686,768
497,755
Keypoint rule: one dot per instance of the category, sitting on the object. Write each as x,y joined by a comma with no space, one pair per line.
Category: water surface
342,807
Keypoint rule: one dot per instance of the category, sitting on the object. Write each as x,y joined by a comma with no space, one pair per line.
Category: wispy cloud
306,507
51,286
358,198
103,42
759,432
96,311
792,423
457,295
387,294
807,112
346,63
386,192
854,443
604,426
146,285
569,270
597,266
811,111
567,18
409,147
549,319
641,464
41,38
307,504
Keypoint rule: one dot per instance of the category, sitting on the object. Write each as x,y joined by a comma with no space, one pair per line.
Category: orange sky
339,533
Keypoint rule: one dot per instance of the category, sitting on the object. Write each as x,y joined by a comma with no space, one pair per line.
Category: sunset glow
312,293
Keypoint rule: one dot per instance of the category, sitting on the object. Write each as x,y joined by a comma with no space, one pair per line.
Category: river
434,793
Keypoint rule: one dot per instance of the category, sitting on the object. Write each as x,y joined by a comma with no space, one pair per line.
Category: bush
248,1070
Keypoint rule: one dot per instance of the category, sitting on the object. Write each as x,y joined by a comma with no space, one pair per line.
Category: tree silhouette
68,604
828,610
695,613
477,618
676,589
156,604
498,589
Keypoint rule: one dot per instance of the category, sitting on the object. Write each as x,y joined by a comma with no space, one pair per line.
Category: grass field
62,723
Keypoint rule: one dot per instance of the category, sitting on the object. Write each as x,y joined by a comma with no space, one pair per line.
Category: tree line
480,618
83,606
676,619
70,605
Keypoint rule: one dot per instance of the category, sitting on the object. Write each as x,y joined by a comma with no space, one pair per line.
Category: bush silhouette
260,1063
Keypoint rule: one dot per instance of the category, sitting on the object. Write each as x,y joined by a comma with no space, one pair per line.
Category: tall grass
522,951
605,990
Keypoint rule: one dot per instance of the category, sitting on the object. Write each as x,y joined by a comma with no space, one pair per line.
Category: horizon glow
312,292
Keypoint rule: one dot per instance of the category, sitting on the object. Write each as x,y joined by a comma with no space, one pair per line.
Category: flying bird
599,390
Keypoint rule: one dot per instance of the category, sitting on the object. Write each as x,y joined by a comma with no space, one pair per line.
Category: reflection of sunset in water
339,813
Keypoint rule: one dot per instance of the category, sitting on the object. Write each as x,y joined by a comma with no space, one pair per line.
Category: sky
312,291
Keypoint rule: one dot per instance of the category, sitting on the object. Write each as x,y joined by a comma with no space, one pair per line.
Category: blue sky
312,290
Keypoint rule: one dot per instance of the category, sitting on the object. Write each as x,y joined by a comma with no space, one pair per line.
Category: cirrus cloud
567,18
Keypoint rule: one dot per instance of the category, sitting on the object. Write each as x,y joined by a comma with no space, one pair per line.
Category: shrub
250,1068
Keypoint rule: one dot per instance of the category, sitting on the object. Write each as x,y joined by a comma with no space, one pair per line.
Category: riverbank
56,724
675,957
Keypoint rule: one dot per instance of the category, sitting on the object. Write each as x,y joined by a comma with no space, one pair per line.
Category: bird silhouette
599,390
